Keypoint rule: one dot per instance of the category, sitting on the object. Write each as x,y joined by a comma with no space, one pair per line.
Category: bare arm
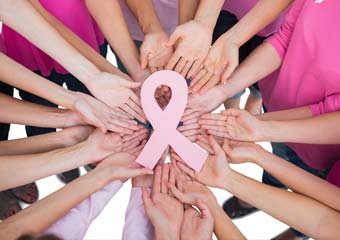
187,10
109,16
77,42
16,111
45,142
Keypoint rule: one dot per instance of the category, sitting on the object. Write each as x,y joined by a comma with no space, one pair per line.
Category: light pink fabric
137,224
308,43
241,7
74,15
76,222
167,11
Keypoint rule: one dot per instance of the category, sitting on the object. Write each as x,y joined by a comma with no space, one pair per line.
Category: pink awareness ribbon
165,122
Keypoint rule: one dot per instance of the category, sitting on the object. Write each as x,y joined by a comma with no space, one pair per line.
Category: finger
130,84
137,150
186,69
174,37
203,139
186,169
178,194
144,56
205,212
214,116
202,82
231,112
213,81
180,64
195,68
191,116
131,112
219,134
198,77
173,61
205,146
125,123
190,133
156,187
172,178
165,179
214,128
211,122
188,127
138,172
215,146
136,107
229,70
118,129
130,137
116,112
146,195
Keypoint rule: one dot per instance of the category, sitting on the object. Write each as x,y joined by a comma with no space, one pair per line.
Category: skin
193,39
186,10
109,16
36,166
111,89
154,53
116,167
189,191
319,222
240,125
45,142
223,57
164,211
91,110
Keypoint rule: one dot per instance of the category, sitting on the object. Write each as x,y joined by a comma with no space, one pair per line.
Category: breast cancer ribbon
165,122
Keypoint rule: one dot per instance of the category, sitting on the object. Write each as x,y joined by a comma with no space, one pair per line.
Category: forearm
16,75
32,145
17,111
146,15
285,115
187,10
208,12
262,14
15,13
263,61
23,169
81,46
319,222
322,129
224,228
108,14
299,180
58,204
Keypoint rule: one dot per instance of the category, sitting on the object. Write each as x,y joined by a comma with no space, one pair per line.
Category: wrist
267,130
152,27
167,233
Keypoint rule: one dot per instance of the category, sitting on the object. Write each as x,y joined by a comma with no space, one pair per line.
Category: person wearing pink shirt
305,85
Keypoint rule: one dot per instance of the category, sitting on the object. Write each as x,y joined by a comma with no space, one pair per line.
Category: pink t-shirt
334,175
73,14
167,11
308,43
2,45
241,7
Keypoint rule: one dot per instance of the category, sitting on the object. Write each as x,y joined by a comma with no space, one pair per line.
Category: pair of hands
169,216
113,107
188,51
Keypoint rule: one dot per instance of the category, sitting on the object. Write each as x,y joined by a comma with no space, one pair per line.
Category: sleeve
280,40
329,104
137,224
83,215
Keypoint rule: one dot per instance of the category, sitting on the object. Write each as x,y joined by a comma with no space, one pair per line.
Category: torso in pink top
308,43
73,14
167,11
2,45
241,7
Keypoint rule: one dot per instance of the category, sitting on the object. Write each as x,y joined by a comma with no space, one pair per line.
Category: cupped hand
122,166
215,169
242,152
98,114
208,102
117,92
221,62
154,52
192,41
233,124
74,135
165,212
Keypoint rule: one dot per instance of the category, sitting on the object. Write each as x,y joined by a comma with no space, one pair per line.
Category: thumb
178,194
173,38
139,172
144,59
231,112
205,212
130,84
232,65
227,147
217,148
146,195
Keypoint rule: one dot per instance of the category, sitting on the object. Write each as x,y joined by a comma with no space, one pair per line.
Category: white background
110,223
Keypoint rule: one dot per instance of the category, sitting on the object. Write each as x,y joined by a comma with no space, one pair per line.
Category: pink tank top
241,7
73,14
